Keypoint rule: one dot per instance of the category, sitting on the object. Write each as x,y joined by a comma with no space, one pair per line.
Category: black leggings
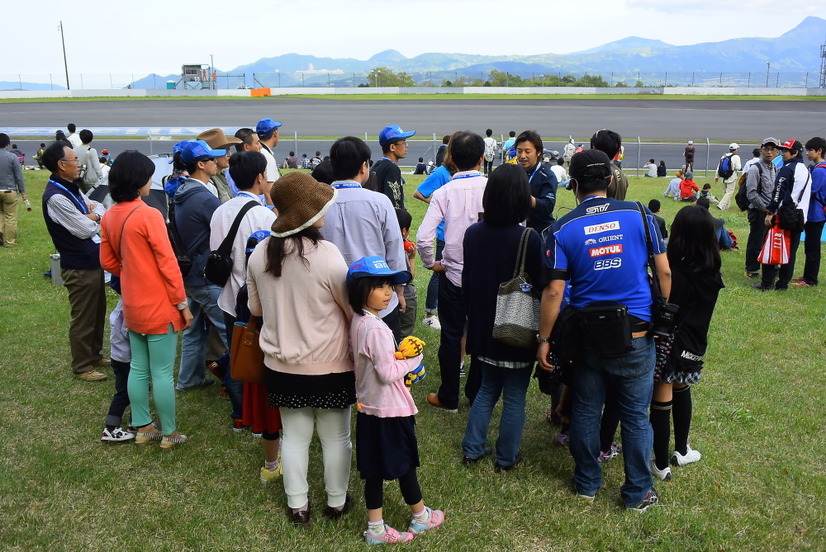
408,483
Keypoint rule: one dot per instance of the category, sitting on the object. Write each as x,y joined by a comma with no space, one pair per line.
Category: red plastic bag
776,247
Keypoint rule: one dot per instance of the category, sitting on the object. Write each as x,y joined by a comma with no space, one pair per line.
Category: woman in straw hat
296,282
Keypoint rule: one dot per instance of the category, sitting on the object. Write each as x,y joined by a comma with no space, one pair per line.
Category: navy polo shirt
601,248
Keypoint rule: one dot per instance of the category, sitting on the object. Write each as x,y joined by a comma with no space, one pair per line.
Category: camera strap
649,243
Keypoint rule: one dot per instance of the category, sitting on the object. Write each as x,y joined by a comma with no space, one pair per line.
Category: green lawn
758,420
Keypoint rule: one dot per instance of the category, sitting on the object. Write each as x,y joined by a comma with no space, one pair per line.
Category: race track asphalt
721,121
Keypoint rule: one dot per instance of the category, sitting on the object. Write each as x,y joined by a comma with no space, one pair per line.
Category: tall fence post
639,152
295,141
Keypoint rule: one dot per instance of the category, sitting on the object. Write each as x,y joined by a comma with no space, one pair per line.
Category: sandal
170,441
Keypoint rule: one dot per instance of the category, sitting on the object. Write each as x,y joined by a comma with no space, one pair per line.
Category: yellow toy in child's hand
410,347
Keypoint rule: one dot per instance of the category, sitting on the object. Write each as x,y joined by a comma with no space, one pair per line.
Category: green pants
153,356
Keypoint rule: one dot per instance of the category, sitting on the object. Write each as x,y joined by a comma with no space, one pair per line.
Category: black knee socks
682,418
660,417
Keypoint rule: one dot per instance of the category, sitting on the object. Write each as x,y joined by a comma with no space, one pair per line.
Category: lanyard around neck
83,208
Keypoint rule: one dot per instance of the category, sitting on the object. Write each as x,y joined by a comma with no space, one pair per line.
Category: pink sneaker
434,519
389,535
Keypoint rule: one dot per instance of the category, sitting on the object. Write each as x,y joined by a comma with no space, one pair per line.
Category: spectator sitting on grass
651,167
688,188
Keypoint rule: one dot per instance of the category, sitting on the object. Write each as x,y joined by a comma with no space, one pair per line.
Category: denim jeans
120,400
512,385
630,379
203,302
431,302
453,318
235,388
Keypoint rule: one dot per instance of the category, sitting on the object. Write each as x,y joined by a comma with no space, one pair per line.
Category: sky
154,36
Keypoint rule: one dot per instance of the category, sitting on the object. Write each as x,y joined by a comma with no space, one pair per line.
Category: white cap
734,146
690,142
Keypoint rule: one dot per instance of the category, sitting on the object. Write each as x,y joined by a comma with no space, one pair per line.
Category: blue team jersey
601,248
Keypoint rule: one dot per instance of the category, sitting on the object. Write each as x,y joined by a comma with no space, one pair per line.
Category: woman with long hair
135,246
296,282
491,248
694,257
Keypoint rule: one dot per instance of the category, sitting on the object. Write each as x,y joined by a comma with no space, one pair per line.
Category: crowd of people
322,261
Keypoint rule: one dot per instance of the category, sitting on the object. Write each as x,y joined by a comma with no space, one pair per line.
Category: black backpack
184,259
218,267
740,198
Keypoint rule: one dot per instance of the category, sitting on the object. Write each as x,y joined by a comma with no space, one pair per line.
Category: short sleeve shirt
601,248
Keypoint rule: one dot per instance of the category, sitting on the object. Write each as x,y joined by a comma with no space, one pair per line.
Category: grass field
758,420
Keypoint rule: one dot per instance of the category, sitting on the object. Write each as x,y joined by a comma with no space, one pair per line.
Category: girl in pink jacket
386,446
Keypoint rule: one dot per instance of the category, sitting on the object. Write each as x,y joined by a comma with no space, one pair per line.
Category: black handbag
792,218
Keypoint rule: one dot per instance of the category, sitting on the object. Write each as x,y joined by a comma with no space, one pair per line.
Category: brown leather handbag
247,359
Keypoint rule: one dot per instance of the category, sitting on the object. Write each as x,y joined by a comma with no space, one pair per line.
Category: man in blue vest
601,247
73,221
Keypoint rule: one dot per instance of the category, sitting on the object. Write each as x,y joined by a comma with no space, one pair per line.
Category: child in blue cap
386,446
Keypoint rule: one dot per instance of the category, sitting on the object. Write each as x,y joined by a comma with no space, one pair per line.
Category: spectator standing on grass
730,181
438,178
12,189
217,140
393,142
759,186
491,249
87,156
440,153
755,157
73,222
73,138
694,259
194,206
60,136
568,151
792,186
251,184
490,151
542,180
610,143
296,283
362,223
411,297
815,150
688,155
135,247
459,204
267,131
598,273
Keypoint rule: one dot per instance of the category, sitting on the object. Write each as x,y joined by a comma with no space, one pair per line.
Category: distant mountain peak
628,43
388,56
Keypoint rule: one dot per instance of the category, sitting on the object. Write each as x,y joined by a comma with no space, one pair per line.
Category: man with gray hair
759,186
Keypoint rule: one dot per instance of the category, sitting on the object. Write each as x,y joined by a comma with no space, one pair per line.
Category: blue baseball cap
393,133
265,126
376,266
197,150
176,148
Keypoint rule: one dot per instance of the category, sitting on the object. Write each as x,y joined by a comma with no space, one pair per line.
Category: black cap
590,164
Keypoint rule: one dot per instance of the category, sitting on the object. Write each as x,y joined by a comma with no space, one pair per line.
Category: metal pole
748,83
211,70
708,154
806,82
111,84
295,141
20,80
777,81
639,151
65,64
665,83
768,68
692,79
51,84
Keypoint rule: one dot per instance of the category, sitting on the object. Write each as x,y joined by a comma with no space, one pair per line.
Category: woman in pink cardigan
135,246
295,281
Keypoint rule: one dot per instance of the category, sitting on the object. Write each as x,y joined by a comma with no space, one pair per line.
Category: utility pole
65,65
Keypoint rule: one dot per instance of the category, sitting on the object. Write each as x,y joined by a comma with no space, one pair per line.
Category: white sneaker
662,475
117,435
432,322
689,457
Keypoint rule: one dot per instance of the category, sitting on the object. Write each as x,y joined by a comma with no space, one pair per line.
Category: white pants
333,426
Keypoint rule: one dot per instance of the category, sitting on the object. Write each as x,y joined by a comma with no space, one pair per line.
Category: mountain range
793,58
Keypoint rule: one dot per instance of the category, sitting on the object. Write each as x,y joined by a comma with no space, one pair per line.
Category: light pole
278,72
768,68
65,65
211,71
